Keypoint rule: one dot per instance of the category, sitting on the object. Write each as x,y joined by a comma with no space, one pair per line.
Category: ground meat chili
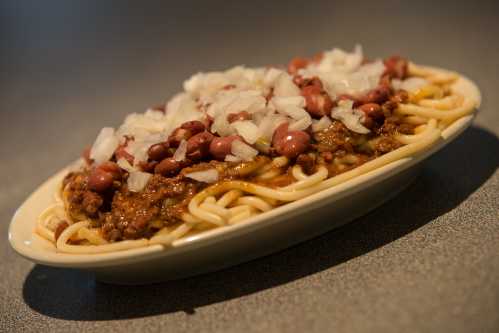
101,194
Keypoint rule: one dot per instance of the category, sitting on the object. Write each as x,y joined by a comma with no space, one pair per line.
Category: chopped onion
179,154
411,84
343,72
123,163
205,176
154,114
243,151
249,131
271,76
249,100
137,180
351,118
232,158
284,86
295,112
139,147
321,124
283,102
104,146
269,123
301,124
221,125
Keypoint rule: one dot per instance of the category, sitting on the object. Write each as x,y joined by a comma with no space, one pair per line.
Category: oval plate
257,236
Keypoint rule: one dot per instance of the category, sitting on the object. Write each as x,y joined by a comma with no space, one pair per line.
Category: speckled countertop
427,261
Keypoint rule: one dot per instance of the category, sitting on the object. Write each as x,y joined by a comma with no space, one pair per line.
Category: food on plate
243,141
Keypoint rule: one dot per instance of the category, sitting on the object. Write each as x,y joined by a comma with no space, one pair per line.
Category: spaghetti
242,142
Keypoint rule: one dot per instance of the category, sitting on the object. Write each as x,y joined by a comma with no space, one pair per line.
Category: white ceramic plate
260,235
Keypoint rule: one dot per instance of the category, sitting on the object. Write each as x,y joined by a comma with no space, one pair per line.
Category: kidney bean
280,132
368,122
158,151
168,167
221,146
100,180
345,97
148,166
318,102
290,143
177,136
396,67
198,146
377,95
303,82
296,64
243,115
293,144
112,168
60,228
372,110
194,126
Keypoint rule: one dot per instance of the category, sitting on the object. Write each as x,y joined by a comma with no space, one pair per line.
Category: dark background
426,261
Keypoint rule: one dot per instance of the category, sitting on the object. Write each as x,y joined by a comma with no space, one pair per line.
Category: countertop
427,261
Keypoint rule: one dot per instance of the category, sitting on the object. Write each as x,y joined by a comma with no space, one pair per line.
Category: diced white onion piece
154,114
283,102
243,151
338,60
232,158
295,112
139,147
411,84
205,176
182,108
221,125
243,103
343,72
123,163
269,123
285,87
249,131
351,118
137,180
206,84
179,154
271,76
104,146
321,124
301,124
221,101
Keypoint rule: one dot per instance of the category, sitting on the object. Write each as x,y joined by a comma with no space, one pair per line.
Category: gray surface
428,261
